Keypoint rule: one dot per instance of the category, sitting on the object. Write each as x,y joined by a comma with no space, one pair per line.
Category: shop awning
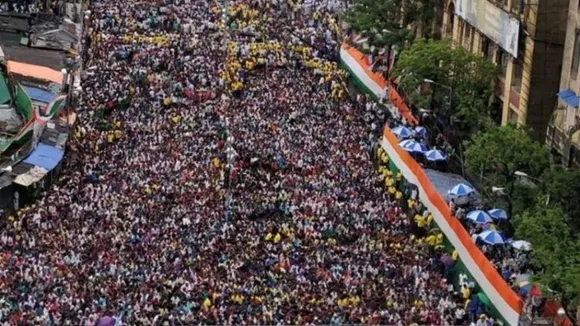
39,95
570,97
45,156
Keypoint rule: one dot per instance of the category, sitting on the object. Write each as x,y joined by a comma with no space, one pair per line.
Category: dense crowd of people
219,174
19,7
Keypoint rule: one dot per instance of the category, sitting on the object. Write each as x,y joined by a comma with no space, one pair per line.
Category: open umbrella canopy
522,278
402,132
461,190
421,131
484,299
416,147
525,289
491,237
498,214
522,245
435,155
406,142
521,284
479,217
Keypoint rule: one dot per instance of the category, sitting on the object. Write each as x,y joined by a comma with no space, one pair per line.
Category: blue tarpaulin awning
39,95
444,182
45,156
570,98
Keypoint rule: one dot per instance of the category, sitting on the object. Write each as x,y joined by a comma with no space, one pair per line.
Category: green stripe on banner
357,82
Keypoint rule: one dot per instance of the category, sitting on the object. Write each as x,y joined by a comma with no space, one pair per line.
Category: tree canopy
381,21
496,155
470,78
563,188
556,254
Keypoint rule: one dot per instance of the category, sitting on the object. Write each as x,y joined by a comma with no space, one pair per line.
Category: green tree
426,14
461,86
381,22
563,188
496,155
556,254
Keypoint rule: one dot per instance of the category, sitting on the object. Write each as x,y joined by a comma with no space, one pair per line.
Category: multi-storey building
563,133
525,38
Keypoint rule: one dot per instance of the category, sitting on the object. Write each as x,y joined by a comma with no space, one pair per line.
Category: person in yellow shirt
411,203
431,240
381,170
216,163
420,221
429,220
268,236
207,303
465,292
398,195
399,176
439,240
455,255
277,238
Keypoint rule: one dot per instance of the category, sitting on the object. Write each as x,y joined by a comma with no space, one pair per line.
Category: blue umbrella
406,142
524,290
402,132
491,237
479,217
461,190
421,131
416,147
435,155
498,214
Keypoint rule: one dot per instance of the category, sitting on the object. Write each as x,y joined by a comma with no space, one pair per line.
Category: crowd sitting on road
18,7
222,176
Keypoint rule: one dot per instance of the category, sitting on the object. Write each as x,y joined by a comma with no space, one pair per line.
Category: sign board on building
495,23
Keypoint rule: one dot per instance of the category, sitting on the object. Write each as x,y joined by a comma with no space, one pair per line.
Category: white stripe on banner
360,73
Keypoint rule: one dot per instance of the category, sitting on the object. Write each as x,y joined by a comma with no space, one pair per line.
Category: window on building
512,116
502,61
467,35
451,15
518,6
491,50
496,109
485,46
517,77
575,56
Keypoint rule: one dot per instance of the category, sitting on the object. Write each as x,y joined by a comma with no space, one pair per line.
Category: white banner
495,23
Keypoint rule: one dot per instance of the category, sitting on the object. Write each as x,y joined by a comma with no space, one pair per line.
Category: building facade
563,134
525,38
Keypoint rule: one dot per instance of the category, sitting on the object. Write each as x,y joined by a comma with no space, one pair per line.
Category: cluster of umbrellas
483,217
527,287
487,217
462,190
413,146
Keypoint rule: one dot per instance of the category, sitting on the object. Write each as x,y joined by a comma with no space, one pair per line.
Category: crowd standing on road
182,110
